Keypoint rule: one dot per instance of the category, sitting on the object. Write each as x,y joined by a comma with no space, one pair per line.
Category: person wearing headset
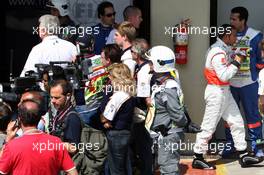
66,124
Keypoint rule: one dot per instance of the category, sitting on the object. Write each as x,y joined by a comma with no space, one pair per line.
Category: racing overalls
219,69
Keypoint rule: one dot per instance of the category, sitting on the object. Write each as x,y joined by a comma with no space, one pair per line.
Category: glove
162,129
192,128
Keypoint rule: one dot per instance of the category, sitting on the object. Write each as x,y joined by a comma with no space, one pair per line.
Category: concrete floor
223,167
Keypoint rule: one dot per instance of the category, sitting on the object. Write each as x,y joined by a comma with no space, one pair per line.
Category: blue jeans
118,151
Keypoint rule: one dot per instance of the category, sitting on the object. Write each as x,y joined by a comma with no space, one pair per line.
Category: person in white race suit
219,69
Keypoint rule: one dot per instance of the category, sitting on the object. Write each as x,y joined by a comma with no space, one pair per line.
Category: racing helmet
163,59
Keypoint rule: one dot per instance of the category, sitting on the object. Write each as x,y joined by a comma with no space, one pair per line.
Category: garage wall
167,14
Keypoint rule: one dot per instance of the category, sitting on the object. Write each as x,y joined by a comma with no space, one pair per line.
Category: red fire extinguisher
180,40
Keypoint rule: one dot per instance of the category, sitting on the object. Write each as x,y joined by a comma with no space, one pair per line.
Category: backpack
90,159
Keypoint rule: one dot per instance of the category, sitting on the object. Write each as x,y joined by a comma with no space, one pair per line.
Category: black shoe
247,159
200,163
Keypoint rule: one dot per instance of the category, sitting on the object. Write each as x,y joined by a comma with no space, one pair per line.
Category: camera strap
60,116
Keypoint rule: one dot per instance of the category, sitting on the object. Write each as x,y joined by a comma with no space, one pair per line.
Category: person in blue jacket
244,85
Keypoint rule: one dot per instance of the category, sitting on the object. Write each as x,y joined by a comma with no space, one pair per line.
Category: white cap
62,5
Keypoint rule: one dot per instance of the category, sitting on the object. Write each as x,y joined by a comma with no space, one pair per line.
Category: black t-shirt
124,117
72,130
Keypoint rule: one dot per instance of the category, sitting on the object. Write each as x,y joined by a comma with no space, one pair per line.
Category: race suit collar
223,44
243,32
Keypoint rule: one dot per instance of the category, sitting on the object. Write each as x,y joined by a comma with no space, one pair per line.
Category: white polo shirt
111,37
143,81
127,59
51,48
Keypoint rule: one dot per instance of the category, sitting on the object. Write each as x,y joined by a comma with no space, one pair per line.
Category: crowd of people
134,96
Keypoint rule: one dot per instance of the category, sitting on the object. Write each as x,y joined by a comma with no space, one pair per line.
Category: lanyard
60,116
138,68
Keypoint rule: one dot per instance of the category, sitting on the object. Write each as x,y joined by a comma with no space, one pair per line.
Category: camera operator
51,48
52,73
49,74
24,155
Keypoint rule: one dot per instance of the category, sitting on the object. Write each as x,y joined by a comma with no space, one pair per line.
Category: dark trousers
142,148
248,96
118,151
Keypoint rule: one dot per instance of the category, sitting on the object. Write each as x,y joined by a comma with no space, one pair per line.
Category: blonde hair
127,29
121,79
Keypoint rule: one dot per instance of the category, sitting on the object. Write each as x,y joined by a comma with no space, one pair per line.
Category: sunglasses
110,14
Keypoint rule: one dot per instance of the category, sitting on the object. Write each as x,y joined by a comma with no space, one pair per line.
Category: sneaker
200,163
247,159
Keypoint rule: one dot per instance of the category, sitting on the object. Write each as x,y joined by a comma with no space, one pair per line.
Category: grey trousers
168,155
